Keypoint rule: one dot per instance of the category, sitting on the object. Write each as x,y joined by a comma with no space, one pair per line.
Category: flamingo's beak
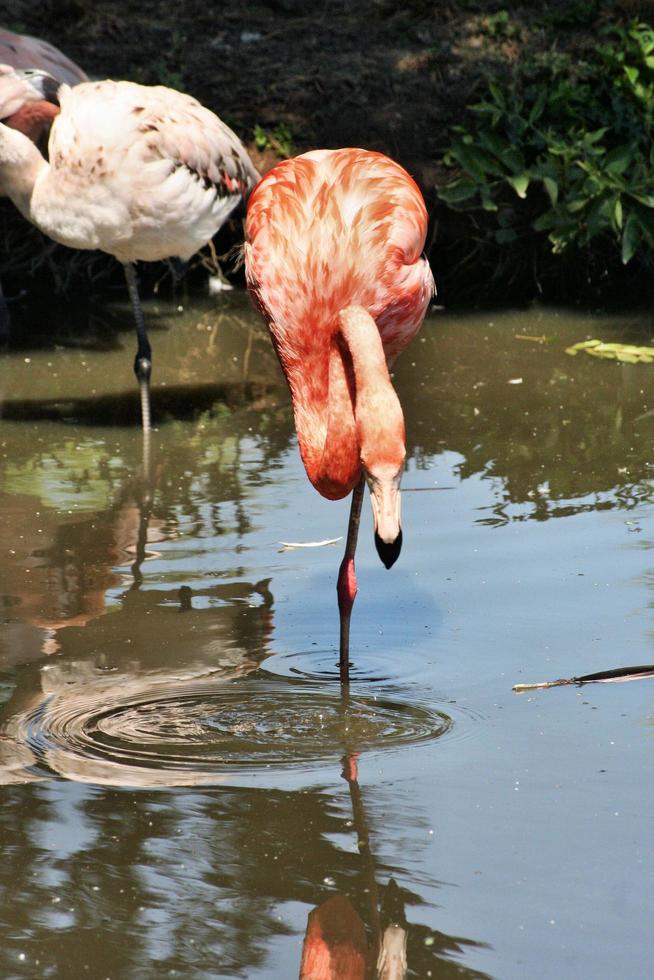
385,499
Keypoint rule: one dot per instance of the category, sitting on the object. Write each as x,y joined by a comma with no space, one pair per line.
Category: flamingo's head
42,84
384,485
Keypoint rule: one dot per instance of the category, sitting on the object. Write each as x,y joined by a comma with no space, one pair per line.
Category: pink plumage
350,225
333,260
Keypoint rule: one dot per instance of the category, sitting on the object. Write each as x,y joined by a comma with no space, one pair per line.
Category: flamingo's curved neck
323,402
21,164
378,413
346,410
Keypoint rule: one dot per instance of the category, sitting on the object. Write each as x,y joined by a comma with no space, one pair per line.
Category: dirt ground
368,73
387,75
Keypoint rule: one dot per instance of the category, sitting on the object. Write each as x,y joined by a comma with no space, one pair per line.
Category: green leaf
487,202
552,189
519,183
458,191
511,157
497,94
597,135
617,212
646,199
545,221
538,106
617,160
478,162
631,236
599,216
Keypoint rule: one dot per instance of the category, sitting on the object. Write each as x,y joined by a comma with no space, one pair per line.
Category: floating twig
614,676
542,339
288,545
423,489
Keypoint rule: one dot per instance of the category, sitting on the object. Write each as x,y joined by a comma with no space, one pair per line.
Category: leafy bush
562,150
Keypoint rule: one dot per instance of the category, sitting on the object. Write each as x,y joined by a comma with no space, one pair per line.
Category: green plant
498,25
279,139
563,149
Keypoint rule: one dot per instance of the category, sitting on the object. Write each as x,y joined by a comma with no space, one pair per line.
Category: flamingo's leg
143,359
346,586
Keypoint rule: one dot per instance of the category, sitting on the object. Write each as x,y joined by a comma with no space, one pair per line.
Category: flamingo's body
333,260
140,172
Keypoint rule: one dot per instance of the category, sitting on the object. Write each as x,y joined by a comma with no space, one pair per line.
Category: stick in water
615,675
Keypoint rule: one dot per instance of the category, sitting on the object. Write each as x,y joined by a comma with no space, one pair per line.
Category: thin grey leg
143,359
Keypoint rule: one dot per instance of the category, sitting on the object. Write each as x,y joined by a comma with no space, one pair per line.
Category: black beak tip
389,553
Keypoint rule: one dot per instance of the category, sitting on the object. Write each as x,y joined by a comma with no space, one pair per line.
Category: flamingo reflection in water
333,261
158,665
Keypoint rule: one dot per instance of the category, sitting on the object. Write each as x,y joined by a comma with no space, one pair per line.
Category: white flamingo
140,172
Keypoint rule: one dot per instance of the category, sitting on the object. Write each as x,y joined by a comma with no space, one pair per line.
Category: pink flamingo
333,261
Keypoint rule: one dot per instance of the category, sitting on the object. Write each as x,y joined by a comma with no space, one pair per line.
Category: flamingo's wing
159,123
199,140
334,228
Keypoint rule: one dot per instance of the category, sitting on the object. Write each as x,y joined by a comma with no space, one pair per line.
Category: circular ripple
366,668
213,731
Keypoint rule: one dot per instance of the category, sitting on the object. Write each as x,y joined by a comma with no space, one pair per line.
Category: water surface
182,779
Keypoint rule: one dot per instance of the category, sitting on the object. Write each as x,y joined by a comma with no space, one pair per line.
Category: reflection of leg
350,775
143,359
347,581
144,503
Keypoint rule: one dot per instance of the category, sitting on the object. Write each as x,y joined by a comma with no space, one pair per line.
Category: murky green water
182,781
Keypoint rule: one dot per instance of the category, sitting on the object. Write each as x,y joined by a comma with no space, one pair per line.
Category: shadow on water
180,786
